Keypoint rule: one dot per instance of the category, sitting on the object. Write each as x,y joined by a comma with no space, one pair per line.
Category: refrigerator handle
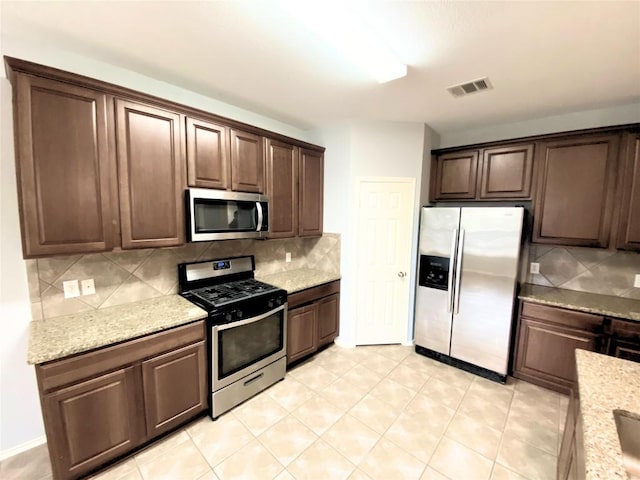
459,270
452,266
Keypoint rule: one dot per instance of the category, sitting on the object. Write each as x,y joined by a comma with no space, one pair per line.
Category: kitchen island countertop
295,280
59,337
605,384
610,306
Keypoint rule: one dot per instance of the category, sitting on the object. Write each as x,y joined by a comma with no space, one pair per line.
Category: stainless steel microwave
222,215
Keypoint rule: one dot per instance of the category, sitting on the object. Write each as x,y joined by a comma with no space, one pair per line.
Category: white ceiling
543,58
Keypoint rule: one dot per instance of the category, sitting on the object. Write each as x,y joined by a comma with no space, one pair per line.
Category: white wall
20,416
618,115
366,149
70,62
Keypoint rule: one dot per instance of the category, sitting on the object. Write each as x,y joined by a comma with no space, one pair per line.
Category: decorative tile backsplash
592,270
130,276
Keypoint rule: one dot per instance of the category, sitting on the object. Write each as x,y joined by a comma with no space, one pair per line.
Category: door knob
401,274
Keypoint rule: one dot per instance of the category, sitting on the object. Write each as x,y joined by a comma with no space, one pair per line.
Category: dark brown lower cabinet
100,405
546,340
623,340
93,421
313,319
175,387
571,457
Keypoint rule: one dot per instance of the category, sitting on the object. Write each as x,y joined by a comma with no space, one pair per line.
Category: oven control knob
270,303
228,317
239,313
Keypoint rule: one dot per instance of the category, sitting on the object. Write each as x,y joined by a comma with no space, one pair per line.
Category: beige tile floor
380,412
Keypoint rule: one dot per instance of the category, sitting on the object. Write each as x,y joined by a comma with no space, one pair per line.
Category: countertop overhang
606,305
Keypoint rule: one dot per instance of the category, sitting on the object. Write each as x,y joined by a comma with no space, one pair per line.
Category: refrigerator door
438,238
483,307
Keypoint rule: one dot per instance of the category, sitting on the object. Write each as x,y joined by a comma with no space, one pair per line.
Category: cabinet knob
401,274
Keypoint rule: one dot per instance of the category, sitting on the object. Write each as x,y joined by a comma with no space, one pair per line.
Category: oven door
243,347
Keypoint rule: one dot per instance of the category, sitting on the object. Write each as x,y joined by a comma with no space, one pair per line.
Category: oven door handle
239,323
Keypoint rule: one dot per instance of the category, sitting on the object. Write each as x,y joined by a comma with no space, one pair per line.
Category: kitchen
406,143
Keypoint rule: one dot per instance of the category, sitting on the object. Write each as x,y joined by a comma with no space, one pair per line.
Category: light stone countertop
605,384
610,306
295,280
59,337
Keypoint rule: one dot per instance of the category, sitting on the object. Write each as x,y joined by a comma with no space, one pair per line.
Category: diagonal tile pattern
383,426
130,276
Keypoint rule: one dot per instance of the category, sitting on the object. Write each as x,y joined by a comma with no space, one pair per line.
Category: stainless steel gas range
247,335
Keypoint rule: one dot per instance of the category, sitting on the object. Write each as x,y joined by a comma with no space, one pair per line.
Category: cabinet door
207,154
175,387
328,319
282,189
247,162
545,352
93,422
506,172
629,225
64,168
150,176
455,176
302,334
624,341
575,190
311,193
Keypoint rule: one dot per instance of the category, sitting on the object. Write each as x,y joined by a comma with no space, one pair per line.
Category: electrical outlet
287,257
535,268
636,282
71,289
88,287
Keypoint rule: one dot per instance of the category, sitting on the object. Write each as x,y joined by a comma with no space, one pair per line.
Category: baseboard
23,447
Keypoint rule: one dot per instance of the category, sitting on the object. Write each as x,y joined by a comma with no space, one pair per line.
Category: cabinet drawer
313,293
568,318
57,373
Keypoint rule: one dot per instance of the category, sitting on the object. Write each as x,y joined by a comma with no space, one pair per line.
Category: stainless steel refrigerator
468,268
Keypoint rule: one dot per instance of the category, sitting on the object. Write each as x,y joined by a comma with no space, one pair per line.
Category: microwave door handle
260,217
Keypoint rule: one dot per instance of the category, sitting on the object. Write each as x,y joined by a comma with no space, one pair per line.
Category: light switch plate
636,282
287,257
535,268
71,289
88,287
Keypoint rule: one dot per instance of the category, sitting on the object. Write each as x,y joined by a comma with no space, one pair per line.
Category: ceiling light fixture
341,28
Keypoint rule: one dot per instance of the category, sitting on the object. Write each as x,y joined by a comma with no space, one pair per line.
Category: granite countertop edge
618,307
60,337
300,279
605,384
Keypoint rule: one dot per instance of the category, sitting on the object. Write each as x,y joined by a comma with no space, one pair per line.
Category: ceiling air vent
470,87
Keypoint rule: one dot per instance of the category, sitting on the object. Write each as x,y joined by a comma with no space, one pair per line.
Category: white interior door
383,246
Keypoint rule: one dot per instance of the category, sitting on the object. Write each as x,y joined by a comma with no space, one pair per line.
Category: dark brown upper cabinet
311,193
247,162
506,172
282,188
207,154
455,176
64,169
629,223
576,182
150,175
